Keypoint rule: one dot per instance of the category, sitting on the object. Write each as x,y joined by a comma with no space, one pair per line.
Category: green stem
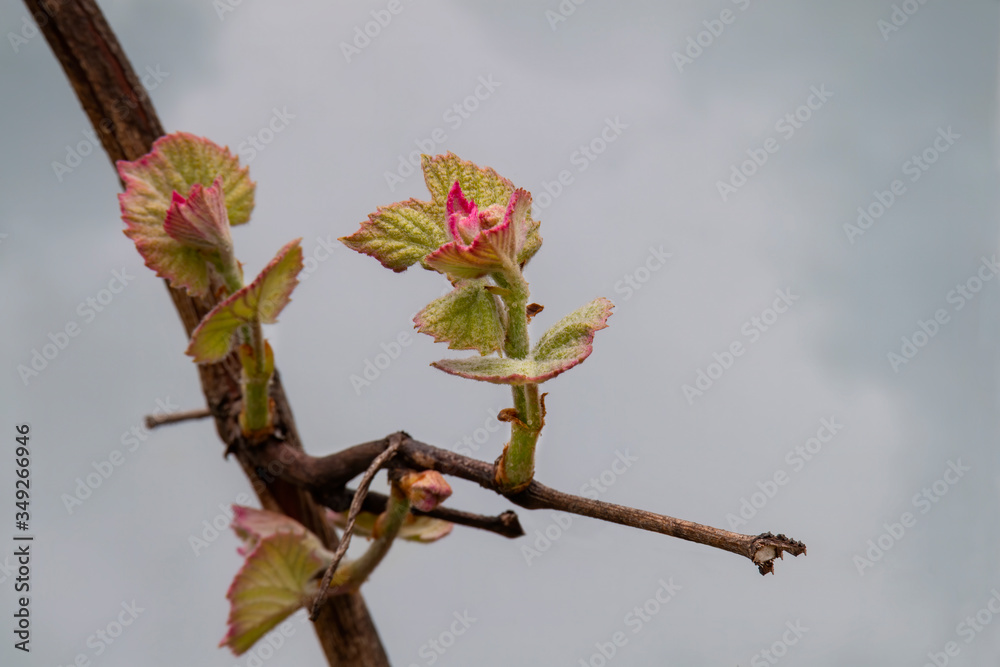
256,415
352,574
258,366
516,466
232,274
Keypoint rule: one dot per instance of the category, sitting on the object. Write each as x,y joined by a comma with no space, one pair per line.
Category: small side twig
505,524
395,440
152,421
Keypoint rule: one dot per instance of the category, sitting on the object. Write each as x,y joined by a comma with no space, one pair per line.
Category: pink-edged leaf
562,347
278,577
276,580
500,370
406,232
261,301
484,242
482,185
572,337
201,220
176,164
468,318
416,528
251,525
398,235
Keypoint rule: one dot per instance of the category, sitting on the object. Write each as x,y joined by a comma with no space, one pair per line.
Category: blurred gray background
559,75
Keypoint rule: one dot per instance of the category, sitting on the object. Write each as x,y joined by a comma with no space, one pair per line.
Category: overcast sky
714,158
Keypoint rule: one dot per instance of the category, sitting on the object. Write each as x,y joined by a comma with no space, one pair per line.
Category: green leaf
283,560
562,347
176,163
404,233
416,528
260,301
468,318
572,337
483,185
398,235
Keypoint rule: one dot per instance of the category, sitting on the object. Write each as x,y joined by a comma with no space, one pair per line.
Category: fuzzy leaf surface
261,301
467,318
176,164
565,345
404,233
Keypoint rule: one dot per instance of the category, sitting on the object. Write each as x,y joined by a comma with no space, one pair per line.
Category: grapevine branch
326,478
123,116
285,478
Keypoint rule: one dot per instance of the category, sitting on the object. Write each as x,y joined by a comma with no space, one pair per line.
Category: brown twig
152,421
326,477
395,441
505,524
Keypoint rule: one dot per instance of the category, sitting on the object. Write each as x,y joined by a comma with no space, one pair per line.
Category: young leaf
404,233
398,235
565,345
572,337
416,528
201,220
176,164
484,186
278,577
260,301
468,318
483,241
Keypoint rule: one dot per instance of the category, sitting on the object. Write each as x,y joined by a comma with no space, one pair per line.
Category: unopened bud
425,490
